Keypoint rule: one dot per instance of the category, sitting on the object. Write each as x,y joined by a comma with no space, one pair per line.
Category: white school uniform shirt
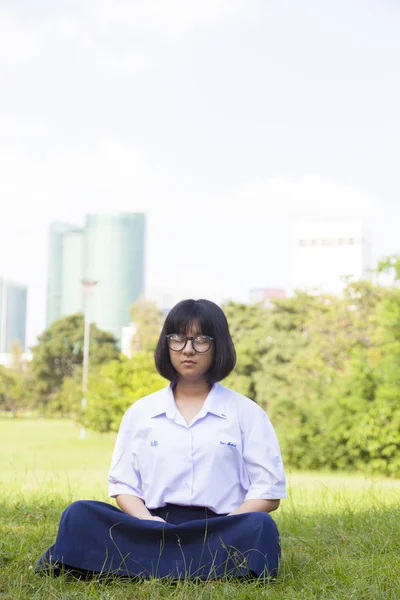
229,453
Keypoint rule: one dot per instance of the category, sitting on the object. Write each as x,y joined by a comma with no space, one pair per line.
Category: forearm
256,506
133,506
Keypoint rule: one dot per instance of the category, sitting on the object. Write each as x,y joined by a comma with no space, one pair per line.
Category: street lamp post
88,287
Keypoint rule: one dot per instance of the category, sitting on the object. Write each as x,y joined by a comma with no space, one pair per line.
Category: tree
59,352
11,390
326,369
286,335
334,398
16,355
248,327
149,320
117,386
390,264
68,400
376,440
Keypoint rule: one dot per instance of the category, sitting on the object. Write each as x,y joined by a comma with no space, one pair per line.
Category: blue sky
226,121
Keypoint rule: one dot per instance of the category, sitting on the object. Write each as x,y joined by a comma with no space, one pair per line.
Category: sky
226,121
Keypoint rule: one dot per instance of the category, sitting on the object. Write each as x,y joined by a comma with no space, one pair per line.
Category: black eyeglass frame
193,340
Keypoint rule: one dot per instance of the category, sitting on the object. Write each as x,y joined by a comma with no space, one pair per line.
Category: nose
188,349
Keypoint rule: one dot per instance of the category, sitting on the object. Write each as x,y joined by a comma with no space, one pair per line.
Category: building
108,251
72,272
266,296
114,257
65,271
126,339
328,253
13,302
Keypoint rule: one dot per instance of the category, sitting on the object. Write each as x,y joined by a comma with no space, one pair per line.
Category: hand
157,519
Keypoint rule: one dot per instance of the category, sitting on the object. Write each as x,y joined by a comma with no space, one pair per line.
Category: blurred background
222,122
235,150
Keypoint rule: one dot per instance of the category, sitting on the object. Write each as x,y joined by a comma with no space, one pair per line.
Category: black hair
213,322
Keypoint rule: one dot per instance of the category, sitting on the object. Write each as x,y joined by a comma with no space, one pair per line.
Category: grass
340,533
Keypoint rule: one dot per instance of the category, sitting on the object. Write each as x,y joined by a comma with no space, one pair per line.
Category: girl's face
189,364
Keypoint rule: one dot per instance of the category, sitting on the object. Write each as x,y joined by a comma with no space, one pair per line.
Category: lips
188,362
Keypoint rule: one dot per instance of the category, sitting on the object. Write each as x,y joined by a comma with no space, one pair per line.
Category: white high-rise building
326,253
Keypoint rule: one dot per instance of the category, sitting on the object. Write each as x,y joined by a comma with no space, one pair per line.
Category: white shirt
229,453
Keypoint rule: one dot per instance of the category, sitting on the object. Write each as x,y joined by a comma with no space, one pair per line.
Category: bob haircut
212,322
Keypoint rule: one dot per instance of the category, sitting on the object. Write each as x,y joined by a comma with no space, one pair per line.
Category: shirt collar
215,403
160,404
164,404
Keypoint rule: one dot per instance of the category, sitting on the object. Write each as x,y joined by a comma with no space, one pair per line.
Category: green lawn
340,533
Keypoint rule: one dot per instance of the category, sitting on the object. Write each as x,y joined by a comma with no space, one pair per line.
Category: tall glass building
64,287
72,272
114,258
13,297
109,250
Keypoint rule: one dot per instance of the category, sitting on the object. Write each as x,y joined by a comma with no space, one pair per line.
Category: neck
193,389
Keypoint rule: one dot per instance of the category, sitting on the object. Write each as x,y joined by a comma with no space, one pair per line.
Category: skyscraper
72,272
64,286
325,253
13,298
114,257
108,250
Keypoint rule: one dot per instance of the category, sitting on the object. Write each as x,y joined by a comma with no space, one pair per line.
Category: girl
195,471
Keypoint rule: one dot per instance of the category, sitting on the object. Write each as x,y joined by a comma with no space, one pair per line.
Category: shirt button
188,459
187,486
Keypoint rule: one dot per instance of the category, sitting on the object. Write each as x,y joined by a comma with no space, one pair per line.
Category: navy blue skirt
98,538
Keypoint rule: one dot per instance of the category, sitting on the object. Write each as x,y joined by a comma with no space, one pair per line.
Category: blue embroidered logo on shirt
154,443
231,444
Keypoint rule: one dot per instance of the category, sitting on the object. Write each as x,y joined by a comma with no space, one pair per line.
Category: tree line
325,368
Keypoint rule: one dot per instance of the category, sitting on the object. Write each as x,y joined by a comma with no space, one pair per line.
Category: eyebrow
194,334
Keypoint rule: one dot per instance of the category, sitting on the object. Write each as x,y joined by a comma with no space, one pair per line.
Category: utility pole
88,287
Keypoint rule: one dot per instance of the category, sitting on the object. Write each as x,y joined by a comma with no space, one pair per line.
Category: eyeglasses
177,342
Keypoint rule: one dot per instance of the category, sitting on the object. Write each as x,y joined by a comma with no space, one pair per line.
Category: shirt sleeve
124,476
263,461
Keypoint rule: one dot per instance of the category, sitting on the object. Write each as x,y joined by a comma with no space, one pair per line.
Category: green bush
116,386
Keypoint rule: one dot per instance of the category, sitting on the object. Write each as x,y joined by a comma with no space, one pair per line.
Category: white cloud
109,175
124,35
166,17
295,198
17,42
288,197
13,128
24,40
